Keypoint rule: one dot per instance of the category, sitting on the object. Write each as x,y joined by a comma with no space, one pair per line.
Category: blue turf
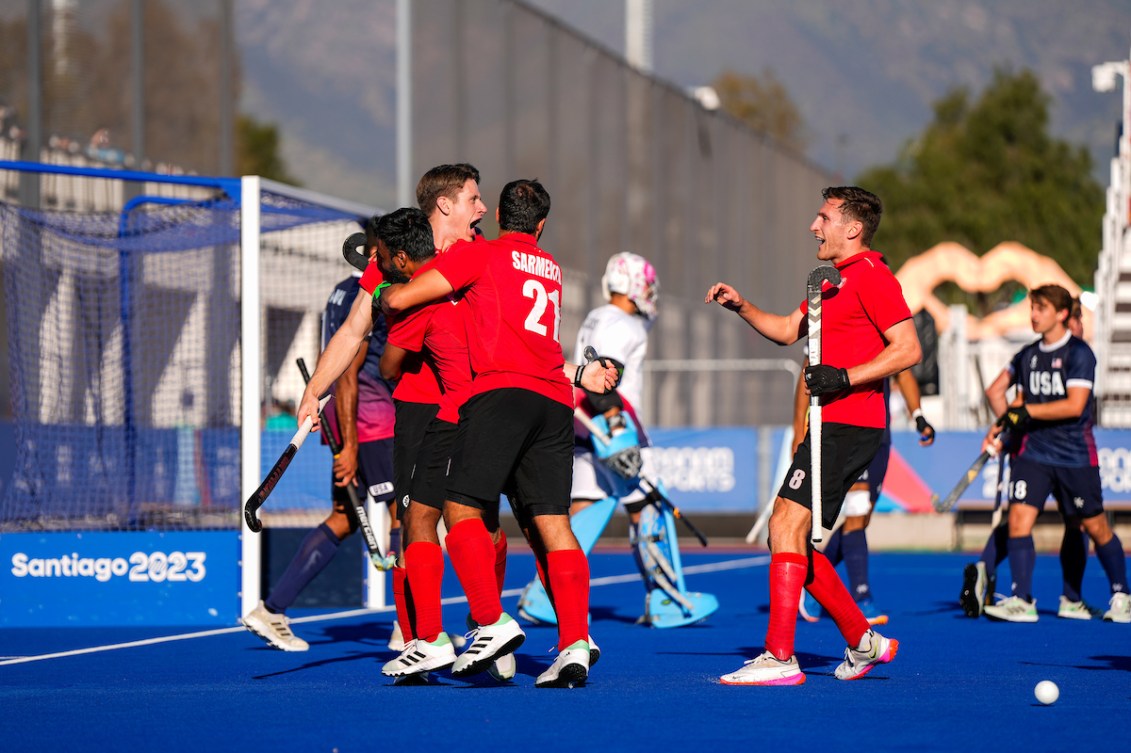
957,684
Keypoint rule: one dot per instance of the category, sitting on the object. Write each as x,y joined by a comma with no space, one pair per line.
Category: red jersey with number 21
513,291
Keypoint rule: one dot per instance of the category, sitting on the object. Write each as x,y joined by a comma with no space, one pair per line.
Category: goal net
152,326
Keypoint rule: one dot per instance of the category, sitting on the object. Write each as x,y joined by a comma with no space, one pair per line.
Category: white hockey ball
1047,692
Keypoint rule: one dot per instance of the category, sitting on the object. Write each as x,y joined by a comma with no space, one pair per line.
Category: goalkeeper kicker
611,463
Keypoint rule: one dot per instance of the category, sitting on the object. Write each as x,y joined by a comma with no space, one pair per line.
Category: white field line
745,562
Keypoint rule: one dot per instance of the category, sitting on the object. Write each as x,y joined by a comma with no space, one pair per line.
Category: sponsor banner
915,472
713,470
119,578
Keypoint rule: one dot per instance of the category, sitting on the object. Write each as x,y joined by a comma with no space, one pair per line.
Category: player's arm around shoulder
424,288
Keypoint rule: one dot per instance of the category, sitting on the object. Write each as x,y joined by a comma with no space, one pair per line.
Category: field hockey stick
653,489
357,505
814,287
995,518
256,500
357,259
947,502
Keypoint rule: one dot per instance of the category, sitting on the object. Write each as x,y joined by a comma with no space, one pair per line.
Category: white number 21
533,289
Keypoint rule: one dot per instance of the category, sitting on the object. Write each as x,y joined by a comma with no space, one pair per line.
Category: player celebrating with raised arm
516,430
449,195
868,336
363,418
1053,411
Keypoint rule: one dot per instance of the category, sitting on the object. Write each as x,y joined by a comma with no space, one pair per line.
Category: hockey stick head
820,275
353,250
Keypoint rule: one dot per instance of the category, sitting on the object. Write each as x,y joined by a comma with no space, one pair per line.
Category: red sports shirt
513,291
854,316
439,333
418,383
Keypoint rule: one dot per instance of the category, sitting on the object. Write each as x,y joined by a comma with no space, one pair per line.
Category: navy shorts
375,469
412,422
1078,490
515,441
874,474
845,452
433,463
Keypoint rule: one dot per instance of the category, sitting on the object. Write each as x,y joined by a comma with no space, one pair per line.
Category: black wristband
577,375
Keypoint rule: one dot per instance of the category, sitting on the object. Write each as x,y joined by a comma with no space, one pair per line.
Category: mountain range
863,73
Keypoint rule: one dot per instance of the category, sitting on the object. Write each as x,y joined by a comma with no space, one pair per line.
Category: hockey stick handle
371,543
650,485
256,500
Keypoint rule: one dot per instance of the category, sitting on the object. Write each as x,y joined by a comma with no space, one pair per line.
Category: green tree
987,171
762,102
257,151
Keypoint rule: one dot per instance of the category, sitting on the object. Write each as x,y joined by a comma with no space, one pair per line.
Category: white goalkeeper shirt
620,335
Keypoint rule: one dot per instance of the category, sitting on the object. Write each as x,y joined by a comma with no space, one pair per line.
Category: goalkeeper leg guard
669,603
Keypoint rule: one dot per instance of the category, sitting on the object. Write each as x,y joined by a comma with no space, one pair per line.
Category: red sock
569,574
473,556
403,602
501,560
829,591
787,579
424,563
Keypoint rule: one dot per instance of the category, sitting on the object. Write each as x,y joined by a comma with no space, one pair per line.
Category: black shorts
1078,491
515,441
433,463
874,474
845,452
411,424
375,470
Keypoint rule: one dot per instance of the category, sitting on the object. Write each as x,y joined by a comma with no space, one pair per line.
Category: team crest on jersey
1033,362
1057,363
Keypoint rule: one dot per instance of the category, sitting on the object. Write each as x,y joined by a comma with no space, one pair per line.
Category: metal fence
632,164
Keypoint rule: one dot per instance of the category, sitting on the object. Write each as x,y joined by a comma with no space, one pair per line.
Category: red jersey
513,291
854,316
438,332
418,382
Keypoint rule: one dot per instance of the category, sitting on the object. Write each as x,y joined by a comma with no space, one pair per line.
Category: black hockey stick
949,501
814,288
357,505
256,500
353,250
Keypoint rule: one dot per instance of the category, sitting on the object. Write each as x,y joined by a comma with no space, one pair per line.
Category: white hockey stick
813,290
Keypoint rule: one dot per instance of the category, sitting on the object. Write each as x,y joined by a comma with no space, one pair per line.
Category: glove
926,431
377,300
384,564
1017,418
823,379
622,454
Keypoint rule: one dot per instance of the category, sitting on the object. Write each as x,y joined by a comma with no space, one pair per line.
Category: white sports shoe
1120,608
1013,609
594,652
1073,610
488,642
273,628
873,649
766,669
503,669
421,656
396,638
569,670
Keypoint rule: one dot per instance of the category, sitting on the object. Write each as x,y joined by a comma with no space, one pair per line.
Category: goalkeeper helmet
632,275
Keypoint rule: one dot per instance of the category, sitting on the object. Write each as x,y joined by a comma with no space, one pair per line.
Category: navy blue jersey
375,412
1044,373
